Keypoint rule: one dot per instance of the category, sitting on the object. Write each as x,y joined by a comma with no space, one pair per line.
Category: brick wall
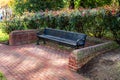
20,37
80,57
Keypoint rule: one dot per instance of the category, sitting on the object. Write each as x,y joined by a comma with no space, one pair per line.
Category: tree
72,4
20,6
119,2
94,3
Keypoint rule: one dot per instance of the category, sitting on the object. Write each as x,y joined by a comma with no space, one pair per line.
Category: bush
21,6
94,3
17,23
88,21
113,24
93,22
14,25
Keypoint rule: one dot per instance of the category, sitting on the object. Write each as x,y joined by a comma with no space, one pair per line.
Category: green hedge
98,23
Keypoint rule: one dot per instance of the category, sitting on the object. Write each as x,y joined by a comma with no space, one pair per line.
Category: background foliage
20,6
94,3
95,22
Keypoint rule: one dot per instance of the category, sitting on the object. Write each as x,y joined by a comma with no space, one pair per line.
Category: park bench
64,37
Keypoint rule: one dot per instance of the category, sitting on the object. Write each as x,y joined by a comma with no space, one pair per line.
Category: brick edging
86,54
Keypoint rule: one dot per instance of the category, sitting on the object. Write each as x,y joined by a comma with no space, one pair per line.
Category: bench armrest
38,33
80,40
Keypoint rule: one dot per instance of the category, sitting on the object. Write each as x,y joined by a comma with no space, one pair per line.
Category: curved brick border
20,37
80,57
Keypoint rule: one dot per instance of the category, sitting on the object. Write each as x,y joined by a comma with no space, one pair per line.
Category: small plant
3,35
2,77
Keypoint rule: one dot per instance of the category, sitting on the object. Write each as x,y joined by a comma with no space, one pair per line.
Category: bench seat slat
65,37
58,39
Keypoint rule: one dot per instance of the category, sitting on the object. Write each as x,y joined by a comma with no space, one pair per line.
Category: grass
2,77
3,36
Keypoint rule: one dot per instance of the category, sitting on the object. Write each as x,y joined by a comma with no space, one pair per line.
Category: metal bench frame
72,39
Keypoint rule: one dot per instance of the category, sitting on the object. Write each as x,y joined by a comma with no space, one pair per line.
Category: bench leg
76,47
38,41
44,41
83,46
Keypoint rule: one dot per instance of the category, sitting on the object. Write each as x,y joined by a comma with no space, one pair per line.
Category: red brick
22,37
31,62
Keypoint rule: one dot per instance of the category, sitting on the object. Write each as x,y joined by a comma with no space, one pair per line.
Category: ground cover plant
2,77
3,35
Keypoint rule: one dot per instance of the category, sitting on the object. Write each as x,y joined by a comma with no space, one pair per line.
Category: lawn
3,36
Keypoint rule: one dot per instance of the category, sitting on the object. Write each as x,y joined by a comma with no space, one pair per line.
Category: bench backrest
64,34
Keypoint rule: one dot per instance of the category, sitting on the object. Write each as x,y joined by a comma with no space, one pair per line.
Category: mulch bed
103,67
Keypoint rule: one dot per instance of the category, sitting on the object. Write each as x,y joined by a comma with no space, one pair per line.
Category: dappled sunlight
47,72
34,50
59,62
4,2
8,58
45,52
31,63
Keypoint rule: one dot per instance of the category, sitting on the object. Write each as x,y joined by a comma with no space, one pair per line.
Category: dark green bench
68,38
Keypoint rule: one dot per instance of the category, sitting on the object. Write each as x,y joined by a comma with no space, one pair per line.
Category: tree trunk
72,5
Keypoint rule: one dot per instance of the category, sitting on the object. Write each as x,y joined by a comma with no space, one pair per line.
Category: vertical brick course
20,37
73,63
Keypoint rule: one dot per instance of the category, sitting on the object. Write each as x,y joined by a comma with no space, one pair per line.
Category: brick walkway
31,62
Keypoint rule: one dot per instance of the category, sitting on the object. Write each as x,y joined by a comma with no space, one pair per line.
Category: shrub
14,25
17,23
21,6
92,22
94,3
113,24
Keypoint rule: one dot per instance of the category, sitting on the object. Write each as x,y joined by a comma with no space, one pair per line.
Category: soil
103,67
62,47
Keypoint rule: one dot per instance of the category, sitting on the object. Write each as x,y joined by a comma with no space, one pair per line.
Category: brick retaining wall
20,37
80,57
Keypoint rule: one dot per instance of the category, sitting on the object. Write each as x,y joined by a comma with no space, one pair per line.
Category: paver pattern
32,62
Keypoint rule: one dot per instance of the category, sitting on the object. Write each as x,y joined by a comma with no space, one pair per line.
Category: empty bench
65,37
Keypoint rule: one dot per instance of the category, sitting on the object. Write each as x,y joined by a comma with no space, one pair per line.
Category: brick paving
32,62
